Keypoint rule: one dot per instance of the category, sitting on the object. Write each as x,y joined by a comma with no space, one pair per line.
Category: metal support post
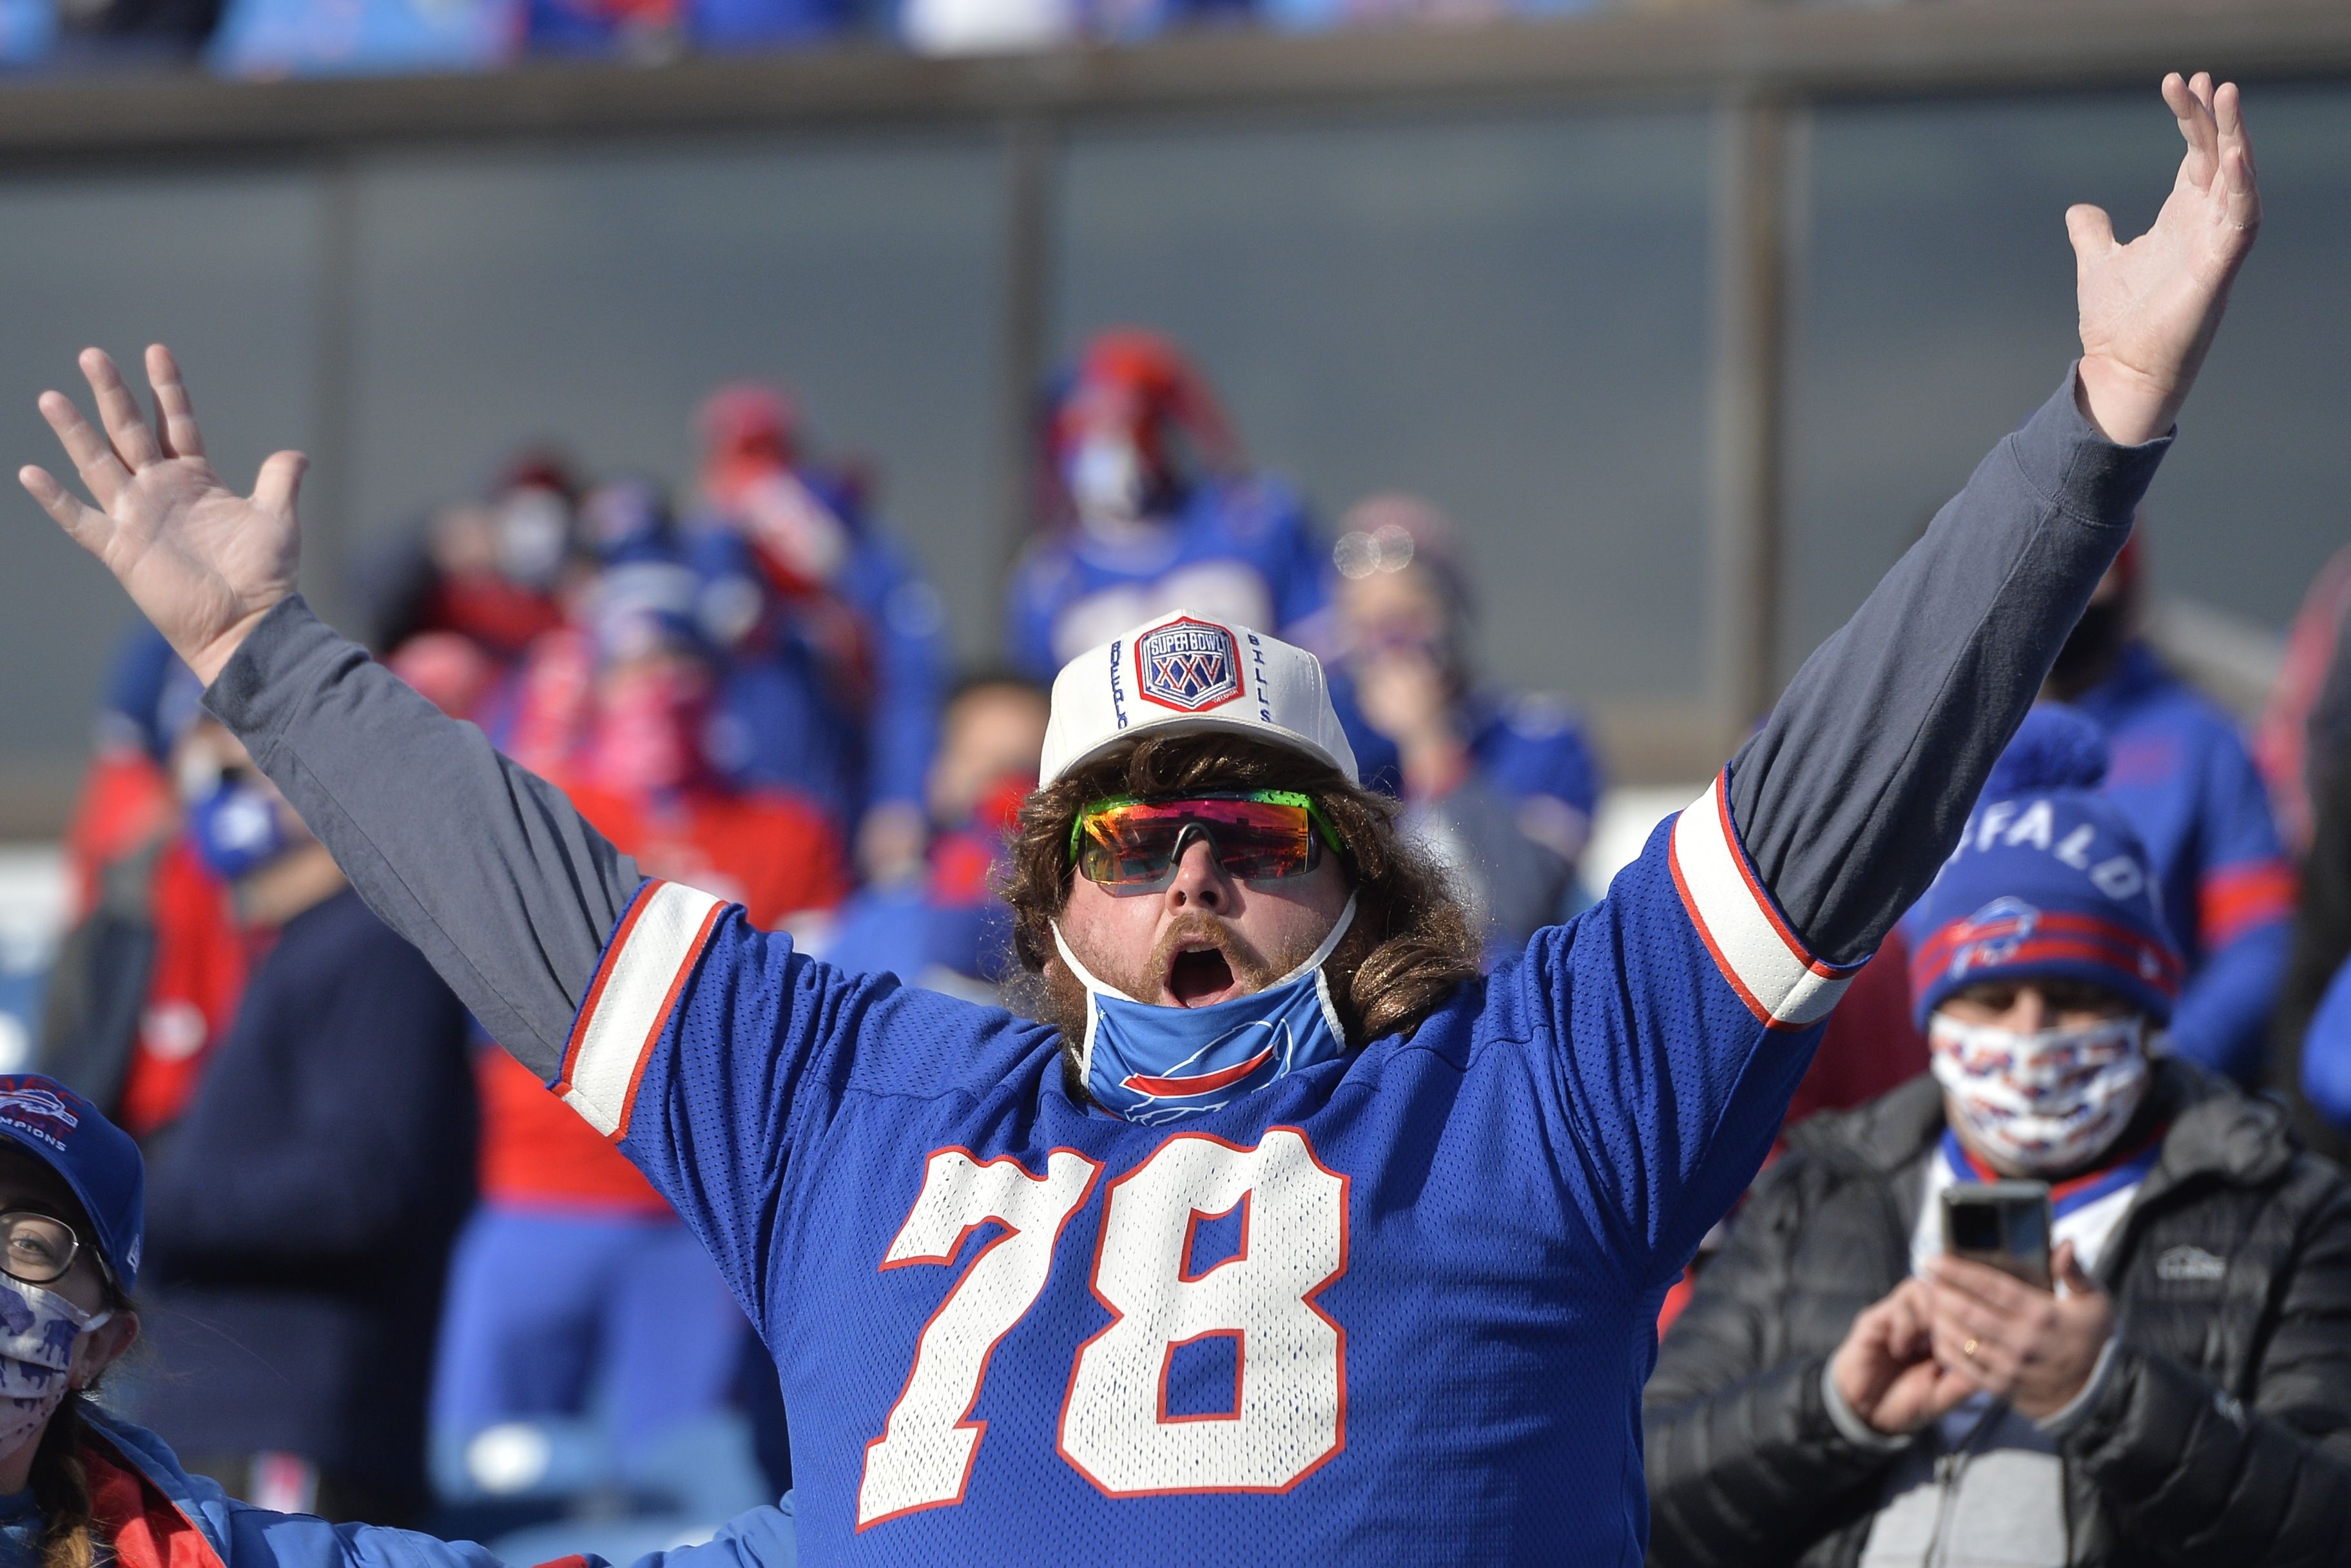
1752,274
329,531
1030,154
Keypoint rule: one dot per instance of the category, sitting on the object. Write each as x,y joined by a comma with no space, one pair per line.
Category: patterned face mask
2047,1102
38,1330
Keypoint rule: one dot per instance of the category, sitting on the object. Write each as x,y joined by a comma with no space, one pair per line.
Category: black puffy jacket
2322,941
2222,1438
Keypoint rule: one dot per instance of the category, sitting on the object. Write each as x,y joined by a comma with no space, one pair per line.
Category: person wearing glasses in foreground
80,1486
1284,1235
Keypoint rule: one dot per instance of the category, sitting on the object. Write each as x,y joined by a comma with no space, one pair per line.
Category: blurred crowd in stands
392,1277
264,39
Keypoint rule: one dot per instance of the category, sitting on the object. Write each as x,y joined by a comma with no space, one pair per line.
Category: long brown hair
61,1489
60,1484
1411,941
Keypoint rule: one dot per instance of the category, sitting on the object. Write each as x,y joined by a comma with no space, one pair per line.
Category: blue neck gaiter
1152,1065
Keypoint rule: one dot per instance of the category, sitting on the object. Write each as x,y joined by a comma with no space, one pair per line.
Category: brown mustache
1190,930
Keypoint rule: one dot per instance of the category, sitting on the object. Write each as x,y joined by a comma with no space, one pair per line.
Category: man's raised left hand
2150,308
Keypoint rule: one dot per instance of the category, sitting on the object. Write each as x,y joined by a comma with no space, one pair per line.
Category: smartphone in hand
2004,1224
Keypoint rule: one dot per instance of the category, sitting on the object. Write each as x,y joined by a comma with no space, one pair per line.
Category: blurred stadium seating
1663,304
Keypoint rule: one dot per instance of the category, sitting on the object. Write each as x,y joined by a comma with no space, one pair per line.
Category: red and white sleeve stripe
1783,984
630,1001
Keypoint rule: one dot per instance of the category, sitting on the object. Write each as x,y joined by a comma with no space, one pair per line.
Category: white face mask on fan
1108,482
2046,1101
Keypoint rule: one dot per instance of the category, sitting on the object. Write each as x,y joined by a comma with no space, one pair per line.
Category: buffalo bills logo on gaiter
1188,666
1236,1062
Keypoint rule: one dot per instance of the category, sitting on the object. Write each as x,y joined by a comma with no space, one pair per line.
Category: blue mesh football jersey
1396,1308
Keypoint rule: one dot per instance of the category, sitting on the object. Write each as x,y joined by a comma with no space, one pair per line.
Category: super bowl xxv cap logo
1188,664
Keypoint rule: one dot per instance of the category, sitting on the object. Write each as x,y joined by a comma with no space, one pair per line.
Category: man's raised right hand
204,562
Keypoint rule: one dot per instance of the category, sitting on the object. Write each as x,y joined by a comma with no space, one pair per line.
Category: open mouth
1199,975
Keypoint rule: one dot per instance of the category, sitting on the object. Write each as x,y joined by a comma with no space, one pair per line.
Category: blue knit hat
96,1158
2049,882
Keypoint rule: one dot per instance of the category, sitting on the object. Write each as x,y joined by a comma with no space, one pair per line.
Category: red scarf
146,1529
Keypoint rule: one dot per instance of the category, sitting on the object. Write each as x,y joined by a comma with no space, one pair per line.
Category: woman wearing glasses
79,1485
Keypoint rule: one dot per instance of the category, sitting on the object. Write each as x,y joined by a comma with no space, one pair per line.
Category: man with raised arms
1286,1237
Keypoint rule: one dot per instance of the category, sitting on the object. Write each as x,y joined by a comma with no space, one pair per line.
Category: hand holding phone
2002,1224
2015,1339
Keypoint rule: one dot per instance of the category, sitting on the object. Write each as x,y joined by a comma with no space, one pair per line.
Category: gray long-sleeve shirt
1846,800
1857,788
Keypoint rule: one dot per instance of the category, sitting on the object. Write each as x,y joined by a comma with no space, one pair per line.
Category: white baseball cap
1179,674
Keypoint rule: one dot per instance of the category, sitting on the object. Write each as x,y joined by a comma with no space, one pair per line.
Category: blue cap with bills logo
98,1160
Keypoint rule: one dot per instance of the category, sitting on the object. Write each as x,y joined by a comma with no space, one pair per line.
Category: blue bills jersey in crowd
1240,552
836,695
1396,1308
1525,743
2185,777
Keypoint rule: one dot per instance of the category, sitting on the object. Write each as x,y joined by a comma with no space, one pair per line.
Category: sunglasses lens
1124,844
1257,840
1136,843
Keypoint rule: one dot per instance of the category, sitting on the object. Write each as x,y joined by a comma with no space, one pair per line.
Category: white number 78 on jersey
1289,1413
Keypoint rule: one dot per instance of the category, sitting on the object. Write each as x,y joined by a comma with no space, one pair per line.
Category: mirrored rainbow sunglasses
1257,835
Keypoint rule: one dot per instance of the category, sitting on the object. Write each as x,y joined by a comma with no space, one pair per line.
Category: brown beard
1252,970
1060,1000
